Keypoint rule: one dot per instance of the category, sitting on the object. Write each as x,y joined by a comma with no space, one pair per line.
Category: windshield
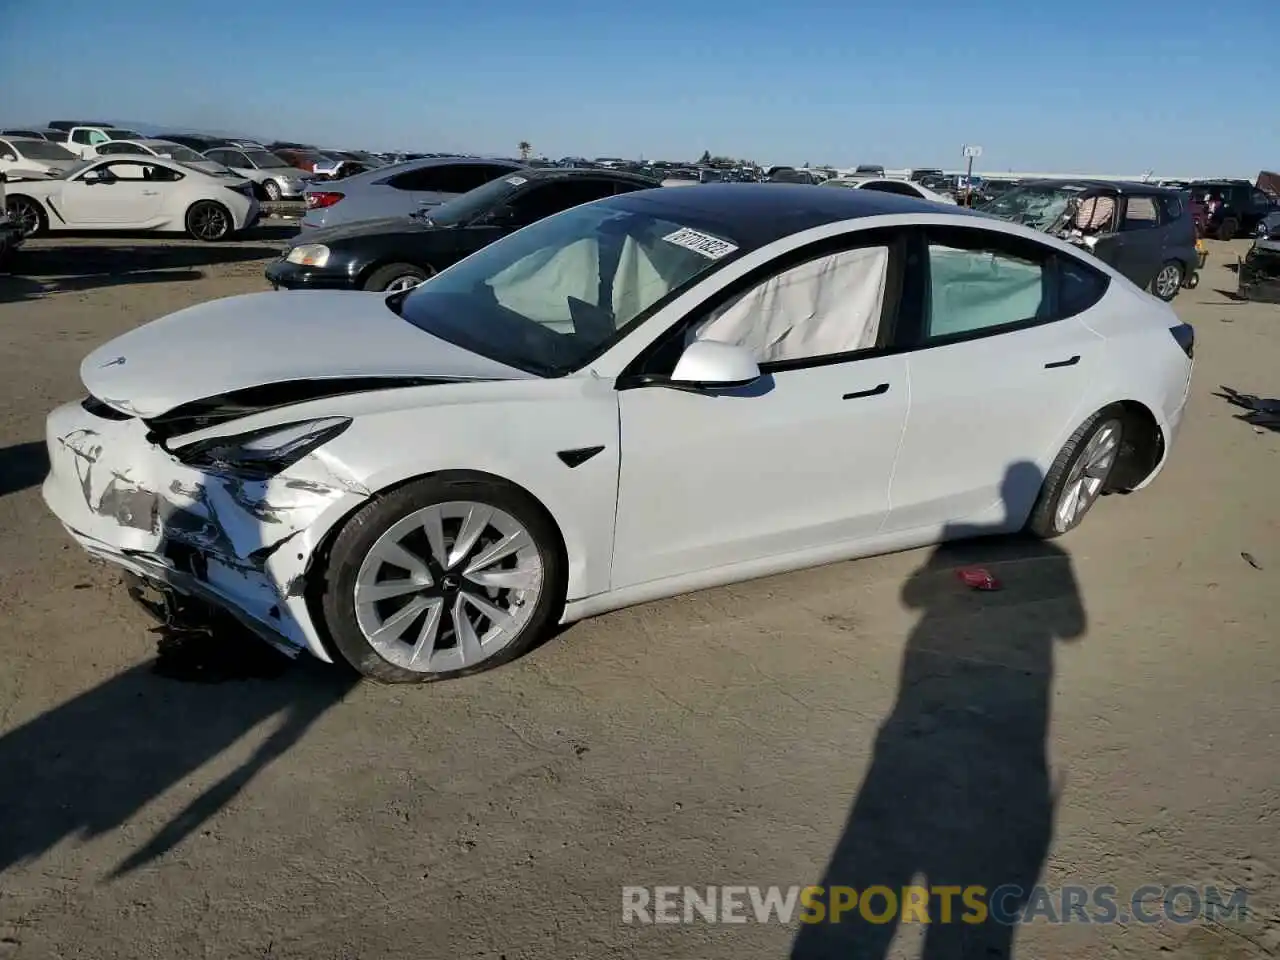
550,297
265,159
1039,207
44,150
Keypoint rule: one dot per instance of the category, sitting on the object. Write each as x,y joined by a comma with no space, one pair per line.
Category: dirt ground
169,798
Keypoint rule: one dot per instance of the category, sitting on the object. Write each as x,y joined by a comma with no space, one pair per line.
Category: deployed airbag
972,289
825,306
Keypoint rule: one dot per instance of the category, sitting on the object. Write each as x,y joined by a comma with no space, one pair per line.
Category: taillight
1185,334
322,198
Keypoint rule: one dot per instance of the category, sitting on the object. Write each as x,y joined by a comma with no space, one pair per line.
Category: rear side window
545,199
448,178
980,282
1170,208
1139,214
889,186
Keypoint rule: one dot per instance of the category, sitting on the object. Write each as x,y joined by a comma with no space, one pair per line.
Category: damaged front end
230,520
1259,272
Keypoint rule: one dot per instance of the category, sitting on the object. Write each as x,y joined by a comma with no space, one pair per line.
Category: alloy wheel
272,190
209,222
407,282
448,587
1167,281
25,215
1088,474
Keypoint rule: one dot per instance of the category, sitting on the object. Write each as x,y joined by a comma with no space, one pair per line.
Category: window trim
917,283
895,238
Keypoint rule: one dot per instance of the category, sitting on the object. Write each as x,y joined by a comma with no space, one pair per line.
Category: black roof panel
754,214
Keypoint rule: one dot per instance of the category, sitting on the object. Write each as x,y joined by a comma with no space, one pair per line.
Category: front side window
824,307
448,177
550,297
82,136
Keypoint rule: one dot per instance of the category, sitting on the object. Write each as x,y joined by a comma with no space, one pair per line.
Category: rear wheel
1168,280
1079,474
26,213
395,277
209,221
444,576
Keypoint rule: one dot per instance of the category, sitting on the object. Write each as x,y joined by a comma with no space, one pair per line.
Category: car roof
1120,186
756,214
595,173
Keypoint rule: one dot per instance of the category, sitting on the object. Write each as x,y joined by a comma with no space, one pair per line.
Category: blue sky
1178,86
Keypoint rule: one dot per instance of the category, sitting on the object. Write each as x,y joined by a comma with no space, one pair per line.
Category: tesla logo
117,362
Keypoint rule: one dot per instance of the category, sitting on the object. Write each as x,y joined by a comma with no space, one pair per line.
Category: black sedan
398,253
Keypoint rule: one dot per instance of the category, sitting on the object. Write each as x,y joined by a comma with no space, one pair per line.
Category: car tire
394,277
272,190
1227,229
209,221
1083,467
1168,280
28,214
393,529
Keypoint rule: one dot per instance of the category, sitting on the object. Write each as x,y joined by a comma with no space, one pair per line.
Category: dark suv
1231,207
1143,231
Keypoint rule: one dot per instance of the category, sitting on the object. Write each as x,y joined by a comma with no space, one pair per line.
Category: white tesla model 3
642,396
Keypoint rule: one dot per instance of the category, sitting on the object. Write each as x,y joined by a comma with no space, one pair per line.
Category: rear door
997,362
1138,246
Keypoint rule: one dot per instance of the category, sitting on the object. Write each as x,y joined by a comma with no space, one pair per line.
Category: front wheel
272,190
395,277
444,576
209,221
1079,475
27,215
1167,281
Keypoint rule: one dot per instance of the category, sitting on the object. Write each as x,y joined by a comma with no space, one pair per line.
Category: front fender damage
226,532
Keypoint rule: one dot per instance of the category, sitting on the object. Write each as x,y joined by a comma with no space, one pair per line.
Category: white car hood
263,338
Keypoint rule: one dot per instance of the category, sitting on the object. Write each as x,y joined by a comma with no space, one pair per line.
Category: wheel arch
1142,450
231,217
11,194
335,524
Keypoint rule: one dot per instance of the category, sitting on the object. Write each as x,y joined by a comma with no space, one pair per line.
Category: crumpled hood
264,338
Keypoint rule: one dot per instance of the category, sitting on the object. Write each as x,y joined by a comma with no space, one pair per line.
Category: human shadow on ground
85,767
958,794
22,465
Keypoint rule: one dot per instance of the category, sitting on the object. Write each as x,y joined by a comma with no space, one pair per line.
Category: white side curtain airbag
822,307
974,289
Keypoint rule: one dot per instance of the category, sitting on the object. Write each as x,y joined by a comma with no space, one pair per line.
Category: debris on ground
1260,411
978,578
1249,559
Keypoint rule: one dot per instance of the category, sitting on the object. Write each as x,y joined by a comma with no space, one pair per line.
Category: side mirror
98,176
711,363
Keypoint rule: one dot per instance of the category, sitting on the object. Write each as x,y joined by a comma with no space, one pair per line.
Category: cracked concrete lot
1108,717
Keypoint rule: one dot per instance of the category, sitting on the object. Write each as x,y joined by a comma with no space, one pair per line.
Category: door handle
151,193
1063,363
873,392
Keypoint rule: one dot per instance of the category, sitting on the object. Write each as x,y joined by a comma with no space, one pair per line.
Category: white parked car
81,140
279,179
159,148
135,193
642,396
904,188
26,156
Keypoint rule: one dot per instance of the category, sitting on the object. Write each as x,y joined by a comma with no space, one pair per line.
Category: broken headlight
262,454
308,255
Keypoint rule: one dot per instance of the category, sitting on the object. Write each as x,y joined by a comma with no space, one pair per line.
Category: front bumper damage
244,546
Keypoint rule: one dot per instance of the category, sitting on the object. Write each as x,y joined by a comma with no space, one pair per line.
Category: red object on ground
979,578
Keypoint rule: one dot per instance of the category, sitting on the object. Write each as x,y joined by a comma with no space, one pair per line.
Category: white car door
998,371
798,461
117,193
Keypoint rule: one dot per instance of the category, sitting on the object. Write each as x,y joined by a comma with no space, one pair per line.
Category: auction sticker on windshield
713,248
